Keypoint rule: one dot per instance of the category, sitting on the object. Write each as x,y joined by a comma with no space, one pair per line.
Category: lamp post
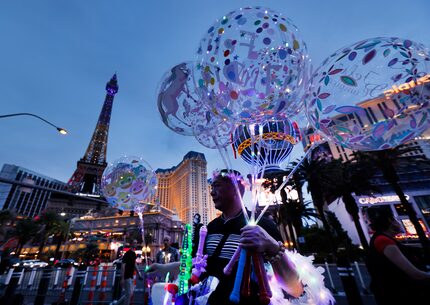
60,130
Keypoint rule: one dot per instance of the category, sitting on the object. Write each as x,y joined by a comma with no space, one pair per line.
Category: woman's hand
254,237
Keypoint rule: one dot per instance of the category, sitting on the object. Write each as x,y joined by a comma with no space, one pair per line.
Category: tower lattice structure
87,176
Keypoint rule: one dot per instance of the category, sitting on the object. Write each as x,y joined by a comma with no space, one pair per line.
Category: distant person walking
168,254
128,267
395,272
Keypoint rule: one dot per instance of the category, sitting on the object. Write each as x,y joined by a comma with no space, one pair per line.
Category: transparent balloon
214,134
278,78
372,95
127,182
236,48
266,145
179,102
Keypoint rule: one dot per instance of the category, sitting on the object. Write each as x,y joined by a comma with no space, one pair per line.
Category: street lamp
60,130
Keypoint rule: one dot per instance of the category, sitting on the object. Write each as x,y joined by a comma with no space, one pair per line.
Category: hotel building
184,188
25,201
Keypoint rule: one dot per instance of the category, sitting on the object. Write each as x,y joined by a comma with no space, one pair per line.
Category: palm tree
293,214
354,178
286,220
49,222
320,176
298,179
6,216
87,254
60,231
387,161
289,212
25,230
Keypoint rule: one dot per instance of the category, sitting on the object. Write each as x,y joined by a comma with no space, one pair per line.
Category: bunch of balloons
251,68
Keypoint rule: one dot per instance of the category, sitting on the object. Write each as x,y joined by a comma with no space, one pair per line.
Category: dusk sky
56,57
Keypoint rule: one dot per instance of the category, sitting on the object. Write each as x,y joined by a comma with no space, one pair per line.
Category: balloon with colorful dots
233,56
373,94
127,182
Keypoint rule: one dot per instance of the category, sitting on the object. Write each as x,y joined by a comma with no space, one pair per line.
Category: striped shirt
227,250
220,230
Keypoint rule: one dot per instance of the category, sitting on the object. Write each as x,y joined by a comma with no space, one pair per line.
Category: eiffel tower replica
87,177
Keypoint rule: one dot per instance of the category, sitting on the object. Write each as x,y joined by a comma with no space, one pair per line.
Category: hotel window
359,120
400,209
373,115
382,111
423,203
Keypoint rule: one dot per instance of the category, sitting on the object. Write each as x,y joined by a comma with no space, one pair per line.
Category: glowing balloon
179,102
215,133
128,181
233,58
265,145
372,95
279,77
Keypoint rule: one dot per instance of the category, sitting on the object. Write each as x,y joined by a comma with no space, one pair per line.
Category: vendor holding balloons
229,231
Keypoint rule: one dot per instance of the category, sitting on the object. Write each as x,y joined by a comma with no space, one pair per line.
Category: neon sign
406,86
381,199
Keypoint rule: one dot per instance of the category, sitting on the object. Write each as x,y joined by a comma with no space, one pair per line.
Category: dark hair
380,218
226,175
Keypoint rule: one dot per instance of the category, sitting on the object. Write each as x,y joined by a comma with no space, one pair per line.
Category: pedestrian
397,275
197,224
229,231
168,254
128,267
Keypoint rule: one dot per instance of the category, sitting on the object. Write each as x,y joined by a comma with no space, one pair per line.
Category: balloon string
225,159
251,132
257,176
278,190
260,133
266,155
142,231
261,214
255,161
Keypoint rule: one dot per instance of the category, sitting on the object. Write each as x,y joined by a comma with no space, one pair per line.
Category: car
31,263
66,263
11,260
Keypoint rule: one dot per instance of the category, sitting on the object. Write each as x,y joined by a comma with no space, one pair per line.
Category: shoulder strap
220,245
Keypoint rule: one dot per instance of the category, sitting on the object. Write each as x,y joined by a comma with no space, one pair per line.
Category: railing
93,285
101,285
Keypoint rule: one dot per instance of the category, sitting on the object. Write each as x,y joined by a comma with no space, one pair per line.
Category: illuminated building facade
414,180
111,232
415,183
184,188
25,201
